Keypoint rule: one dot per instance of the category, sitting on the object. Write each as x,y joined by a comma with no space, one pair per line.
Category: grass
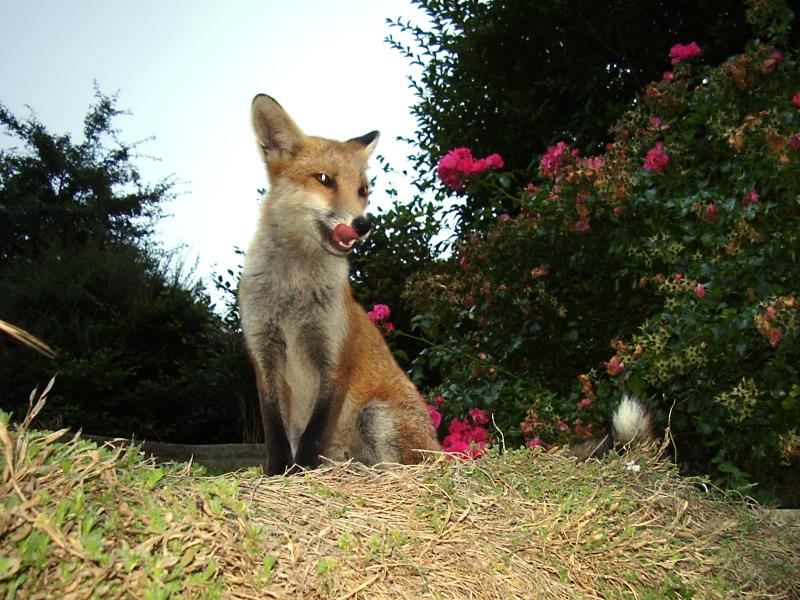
82,521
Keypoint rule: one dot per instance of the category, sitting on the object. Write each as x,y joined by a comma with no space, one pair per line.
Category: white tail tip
631,422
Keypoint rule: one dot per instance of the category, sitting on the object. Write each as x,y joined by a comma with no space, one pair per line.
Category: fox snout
343,237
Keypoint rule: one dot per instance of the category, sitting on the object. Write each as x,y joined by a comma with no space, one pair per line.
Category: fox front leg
270,391
318,430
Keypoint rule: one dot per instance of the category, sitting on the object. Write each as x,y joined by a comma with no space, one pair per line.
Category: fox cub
327,383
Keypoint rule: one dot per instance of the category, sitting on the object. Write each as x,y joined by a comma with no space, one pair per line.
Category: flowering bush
380,316
457,165
665,266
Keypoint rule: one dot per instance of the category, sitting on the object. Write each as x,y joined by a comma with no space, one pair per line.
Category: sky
187,70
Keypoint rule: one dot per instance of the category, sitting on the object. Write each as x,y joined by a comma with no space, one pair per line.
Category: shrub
664,266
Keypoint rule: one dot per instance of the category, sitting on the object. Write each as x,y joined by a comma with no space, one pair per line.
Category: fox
328,385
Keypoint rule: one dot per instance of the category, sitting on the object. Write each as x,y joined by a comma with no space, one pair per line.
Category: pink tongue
344,234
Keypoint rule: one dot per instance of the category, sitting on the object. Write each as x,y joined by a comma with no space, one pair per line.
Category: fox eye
363,191
325,179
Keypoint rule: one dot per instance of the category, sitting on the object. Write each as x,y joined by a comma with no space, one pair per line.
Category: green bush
665,266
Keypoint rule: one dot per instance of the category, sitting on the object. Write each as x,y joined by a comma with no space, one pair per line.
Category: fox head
318,187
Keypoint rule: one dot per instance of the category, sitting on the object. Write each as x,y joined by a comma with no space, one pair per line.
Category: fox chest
312,348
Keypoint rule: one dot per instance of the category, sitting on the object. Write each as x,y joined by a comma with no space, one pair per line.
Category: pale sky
188,69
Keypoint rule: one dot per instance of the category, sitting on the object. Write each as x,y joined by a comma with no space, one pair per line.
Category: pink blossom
439,400
700,290
436,416
678,277
503,218
379,312
458,164
777,56
551,163
775,336
679,52
455,445
751,197
615,366
668,76
796,99
540,272
478,416
582,226
656,158
710,213
584,403
531,189
536,442
562,426
657,123
592,162
794,142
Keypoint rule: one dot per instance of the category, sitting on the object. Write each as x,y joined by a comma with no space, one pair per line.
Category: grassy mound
81,521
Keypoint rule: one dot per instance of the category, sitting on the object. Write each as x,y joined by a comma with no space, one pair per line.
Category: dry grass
78,521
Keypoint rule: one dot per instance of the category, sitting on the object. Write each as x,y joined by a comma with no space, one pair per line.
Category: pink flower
562,426
592,162
539,272
379,312
582,226
678,277
503,218
710,214
751,197
551,163
536,442
700,290
615,366
777,56
775,336
656,158
796,99
679,52
794,142
439,400
436,416
770,313
455,445
458,164
531,189
668,76
478,416
657,123
584,403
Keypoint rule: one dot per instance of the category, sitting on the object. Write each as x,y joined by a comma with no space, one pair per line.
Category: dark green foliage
679,284
512,76
140,350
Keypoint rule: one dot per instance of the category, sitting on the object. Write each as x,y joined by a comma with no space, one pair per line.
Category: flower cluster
458,164
778,316
656,159
380,315
468,436
683,52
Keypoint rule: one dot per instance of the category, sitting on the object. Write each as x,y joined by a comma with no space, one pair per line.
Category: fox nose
361,225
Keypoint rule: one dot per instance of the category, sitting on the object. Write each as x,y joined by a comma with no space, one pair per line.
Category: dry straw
78,521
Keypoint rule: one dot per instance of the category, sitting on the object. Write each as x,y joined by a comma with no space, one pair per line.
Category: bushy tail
631,423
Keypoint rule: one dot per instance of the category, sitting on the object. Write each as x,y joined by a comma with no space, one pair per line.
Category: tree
140,350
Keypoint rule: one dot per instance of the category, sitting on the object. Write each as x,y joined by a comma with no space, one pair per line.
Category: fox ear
275,131
368,141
